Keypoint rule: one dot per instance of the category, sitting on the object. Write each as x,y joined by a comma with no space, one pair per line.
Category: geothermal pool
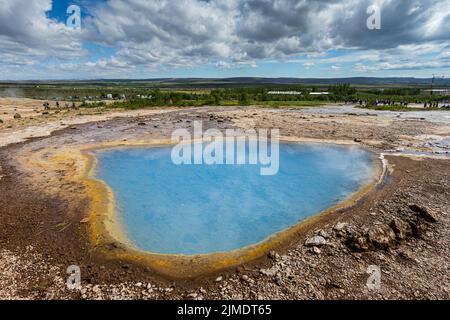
200,209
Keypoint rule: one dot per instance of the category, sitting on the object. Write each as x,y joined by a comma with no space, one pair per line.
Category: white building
438,92
319,93
292,93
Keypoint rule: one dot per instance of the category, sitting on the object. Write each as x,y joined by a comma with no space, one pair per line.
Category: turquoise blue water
198,209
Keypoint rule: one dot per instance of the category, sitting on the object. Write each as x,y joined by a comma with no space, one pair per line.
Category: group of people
405,104
356,101
436,105
58,105
390,103
446,106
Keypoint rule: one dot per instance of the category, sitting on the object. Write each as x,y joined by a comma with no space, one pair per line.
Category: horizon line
223,78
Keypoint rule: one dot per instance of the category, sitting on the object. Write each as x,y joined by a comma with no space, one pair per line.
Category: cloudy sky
223,38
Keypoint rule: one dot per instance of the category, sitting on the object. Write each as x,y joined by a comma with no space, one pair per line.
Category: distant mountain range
191,82
354,80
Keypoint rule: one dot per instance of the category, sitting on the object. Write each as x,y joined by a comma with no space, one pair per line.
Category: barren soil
401,227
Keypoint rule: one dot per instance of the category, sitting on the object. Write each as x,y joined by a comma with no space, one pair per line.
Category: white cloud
147,35
308,65
24,25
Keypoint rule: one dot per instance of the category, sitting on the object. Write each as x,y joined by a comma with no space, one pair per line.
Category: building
319,93
438,92
140,96
292,93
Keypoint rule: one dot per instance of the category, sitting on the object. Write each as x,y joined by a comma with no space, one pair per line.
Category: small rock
219,279
425,212
381,236
316,250
273,255
315,241
323,233
278,280
245,277
358,140
17,116
340,226
358,243
192,295
268,272
401,228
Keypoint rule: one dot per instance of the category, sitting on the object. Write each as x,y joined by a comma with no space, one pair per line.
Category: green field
194,93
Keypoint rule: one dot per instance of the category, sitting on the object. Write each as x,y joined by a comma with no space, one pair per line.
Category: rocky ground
400,228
